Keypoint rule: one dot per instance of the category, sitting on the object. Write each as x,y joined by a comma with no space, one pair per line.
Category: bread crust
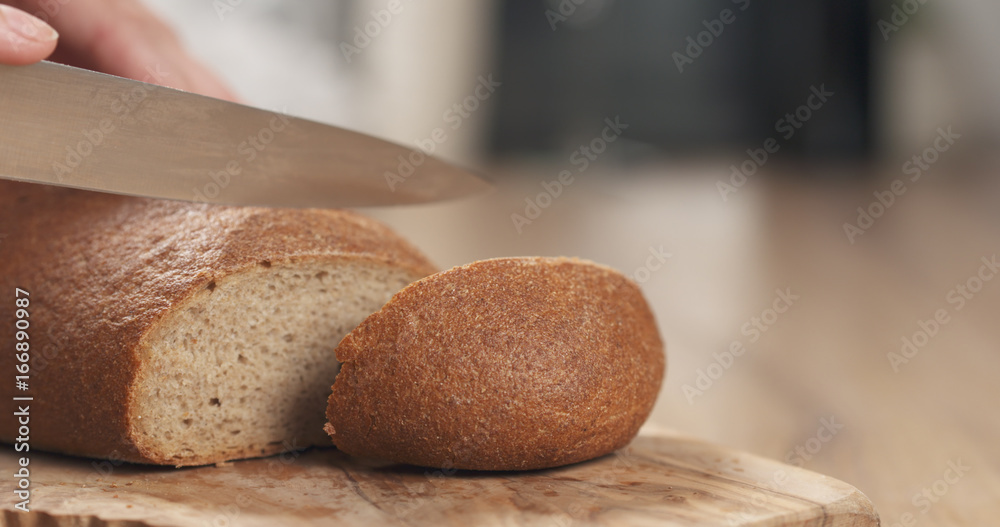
504,364
103,270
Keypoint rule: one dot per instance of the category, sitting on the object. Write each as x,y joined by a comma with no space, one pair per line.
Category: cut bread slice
185,334
243,367
503,364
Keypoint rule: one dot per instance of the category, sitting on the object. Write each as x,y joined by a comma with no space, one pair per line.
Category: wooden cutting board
668,480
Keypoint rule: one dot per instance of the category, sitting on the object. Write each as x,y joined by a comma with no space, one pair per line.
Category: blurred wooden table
664,480
814,384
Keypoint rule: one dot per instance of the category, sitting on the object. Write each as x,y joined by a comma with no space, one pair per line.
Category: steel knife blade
66,126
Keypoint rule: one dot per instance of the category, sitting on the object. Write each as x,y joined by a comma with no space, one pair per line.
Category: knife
76,128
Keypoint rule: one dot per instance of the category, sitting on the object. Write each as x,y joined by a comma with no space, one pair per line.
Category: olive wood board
656,480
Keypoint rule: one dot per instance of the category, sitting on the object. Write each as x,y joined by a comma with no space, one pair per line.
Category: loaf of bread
183,334
506,364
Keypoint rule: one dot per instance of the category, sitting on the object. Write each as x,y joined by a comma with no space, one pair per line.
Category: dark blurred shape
566,66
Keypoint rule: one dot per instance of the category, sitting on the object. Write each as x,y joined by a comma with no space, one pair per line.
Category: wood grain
824,358
666,480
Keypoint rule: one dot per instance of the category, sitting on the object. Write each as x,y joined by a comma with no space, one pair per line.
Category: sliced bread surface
184,334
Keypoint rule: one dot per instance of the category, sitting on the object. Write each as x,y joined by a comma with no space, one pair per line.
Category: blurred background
687,85
841,152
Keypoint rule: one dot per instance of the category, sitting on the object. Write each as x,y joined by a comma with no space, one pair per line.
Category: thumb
24,39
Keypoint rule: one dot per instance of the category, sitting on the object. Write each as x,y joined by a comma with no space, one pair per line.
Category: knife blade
76,128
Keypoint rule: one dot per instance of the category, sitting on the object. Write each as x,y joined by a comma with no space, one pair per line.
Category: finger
24,39
142,47
122,37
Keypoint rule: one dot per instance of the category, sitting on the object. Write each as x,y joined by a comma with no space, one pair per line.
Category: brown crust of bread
505,364
103,269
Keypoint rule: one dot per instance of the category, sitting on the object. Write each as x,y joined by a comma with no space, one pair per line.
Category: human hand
24,39
118,37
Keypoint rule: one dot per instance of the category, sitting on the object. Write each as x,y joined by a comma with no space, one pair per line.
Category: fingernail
26,26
